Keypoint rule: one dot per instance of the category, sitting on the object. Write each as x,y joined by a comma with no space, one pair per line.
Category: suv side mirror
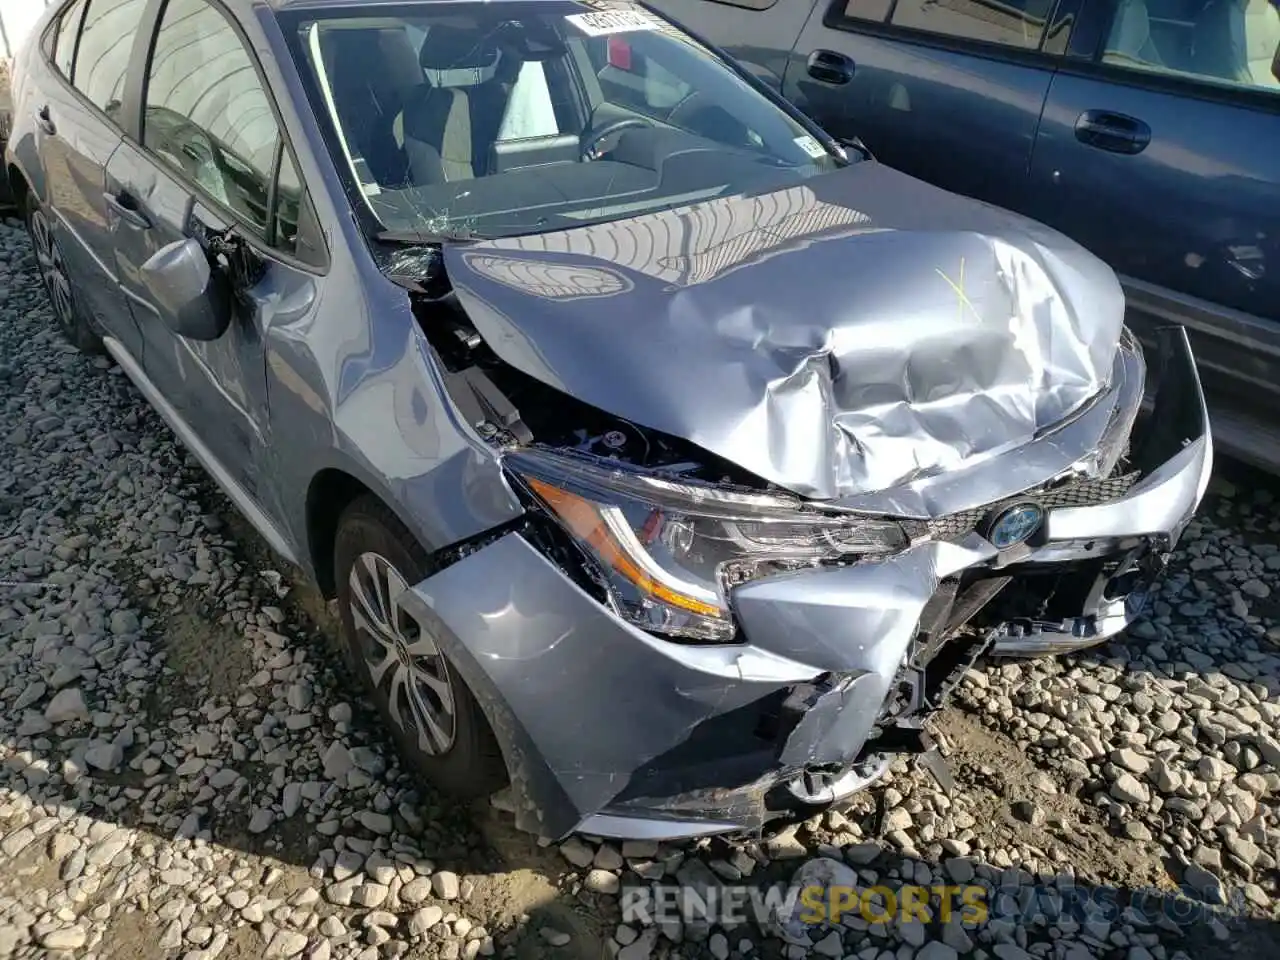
194,299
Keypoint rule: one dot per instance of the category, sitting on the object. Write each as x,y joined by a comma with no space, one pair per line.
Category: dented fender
546,661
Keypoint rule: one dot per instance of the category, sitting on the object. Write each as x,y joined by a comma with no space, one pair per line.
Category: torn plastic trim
1176,455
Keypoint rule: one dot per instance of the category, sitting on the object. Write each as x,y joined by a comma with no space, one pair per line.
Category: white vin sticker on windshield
810,146
604,22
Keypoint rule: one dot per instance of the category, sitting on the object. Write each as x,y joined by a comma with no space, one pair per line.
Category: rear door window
102,56
1231,42
64,50
1009,23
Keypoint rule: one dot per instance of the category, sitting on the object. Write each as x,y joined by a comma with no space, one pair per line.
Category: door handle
1112,131
44,121
124,206
830,67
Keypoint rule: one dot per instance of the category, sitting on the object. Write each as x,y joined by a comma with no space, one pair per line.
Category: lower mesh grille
1077,493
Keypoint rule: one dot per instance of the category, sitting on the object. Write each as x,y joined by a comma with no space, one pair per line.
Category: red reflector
619,53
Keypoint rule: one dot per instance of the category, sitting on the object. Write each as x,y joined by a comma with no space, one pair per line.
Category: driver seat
450,122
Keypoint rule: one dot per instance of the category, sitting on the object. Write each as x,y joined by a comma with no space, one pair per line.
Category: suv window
1010,23
1234,42
102,59
206,112
64,50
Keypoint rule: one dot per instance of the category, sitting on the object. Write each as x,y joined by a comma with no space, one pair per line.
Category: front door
209,153
946,90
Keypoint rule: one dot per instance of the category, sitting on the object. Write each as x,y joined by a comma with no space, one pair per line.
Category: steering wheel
592,138
685,108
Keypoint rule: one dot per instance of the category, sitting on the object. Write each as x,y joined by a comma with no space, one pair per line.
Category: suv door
78,126
208,161
947,90
1160,151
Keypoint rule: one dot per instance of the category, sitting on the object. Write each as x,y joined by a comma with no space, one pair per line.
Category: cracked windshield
481,120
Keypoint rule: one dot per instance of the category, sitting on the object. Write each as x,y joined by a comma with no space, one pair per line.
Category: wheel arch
329,493
18,185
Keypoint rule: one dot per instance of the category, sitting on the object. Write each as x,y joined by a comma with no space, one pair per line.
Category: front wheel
72,320
433,716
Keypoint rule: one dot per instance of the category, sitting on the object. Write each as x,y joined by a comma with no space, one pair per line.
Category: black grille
1077,493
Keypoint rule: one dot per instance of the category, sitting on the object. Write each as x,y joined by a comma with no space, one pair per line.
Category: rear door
1160,151
79,127
207,160
947,90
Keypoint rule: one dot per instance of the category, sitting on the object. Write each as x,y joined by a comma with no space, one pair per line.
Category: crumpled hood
839,337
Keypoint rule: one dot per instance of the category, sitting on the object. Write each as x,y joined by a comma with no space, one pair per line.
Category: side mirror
194,300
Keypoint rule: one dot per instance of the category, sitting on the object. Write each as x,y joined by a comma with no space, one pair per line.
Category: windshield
498,119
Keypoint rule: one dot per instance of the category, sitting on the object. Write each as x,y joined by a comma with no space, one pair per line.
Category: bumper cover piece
610,730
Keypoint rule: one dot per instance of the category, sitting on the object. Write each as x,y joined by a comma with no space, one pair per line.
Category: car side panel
351,385
963,120
1192,222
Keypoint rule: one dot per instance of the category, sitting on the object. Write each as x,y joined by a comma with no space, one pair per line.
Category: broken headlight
671,552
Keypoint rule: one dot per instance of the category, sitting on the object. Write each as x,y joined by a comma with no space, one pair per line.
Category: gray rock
602,882
378,823
369,894
445,884
287,943
830,946
66,705
577,852
426,918
66,938
554,937
104,756
1127,789
337,762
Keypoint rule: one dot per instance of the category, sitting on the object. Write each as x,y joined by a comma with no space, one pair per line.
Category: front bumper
609,730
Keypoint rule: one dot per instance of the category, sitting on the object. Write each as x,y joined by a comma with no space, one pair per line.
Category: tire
67,310
461,759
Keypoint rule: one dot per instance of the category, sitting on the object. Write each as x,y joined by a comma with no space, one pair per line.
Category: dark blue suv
1148,130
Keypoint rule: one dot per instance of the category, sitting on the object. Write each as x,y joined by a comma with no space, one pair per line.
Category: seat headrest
457,48
1132,29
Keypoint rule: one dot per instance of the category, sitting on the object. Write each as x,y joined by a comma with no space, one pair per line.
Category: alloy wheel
401,657
53,270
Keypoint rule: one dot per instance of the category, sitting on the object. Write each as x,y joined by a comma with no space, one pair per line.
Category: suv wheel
429,710
57,282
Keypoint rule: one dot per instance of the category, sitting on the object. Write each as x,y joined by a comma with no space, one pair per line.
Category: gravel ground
187,774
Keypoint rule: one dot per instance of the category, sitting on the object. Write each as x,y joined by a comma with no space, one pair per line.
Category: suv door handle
830,67
124,206
1112,131
44,121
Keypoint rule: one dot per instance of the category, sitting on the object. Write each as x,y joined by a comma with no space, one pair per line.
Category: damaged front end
666,645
